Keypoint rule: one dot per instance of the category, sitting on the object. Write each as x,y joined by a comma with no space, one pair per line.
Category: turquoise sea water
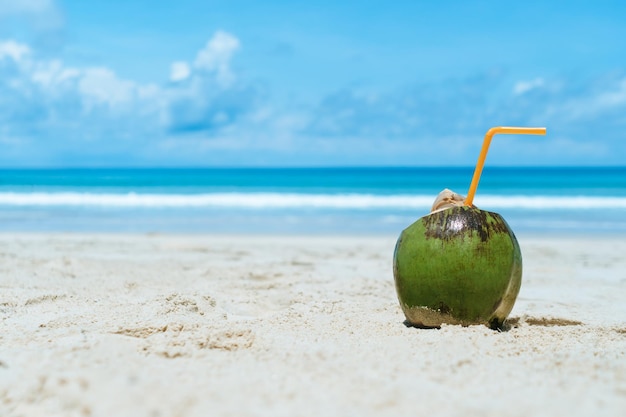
285,201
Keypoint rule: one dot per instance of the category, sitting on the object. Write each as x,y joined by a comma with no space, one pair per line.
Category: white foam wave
285,200
241,200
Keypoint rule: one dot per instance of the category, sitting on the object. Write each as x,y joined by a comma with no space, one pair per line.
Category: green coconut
457,265
460,264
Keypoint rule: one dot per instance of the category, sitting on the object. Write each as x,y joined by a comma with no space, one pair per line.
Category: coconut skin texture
459,265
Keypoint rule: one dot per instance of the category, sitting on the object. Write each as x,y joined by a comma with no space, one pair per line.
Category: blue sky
272,83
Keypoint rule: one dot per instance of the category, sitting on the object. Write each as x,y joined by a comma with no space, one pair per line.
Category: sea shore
232,325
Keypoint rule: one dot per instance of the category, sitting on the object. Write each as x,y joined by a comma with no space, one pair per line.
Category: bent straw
483,152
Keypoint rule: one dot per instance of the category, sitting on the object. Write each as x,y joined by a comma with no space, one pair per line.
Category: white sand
295,326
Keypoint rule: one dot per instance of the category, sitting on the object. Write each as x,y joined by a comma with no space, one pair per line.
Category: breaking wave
295,201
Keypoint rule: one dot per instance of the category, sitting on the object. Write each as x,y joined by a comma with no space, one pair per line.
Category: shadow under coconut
513,323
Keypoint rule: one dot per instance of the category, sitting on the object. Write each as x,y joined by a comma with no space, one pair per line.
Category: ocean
304,200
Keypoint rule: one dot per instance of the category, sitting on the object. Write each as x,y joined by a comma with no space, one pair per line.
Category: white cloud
93,85
179,71
522,87
51,74
612,98
41,14
54,107
14,50
592,104
216,55
25,6
202,107
102,85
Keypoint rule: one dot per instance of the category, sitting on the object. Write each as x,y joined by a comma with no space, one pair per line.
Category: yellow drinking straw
483,152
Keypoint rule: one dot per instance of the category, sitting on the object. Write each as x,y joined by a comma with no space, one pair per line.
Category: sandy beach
175,325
